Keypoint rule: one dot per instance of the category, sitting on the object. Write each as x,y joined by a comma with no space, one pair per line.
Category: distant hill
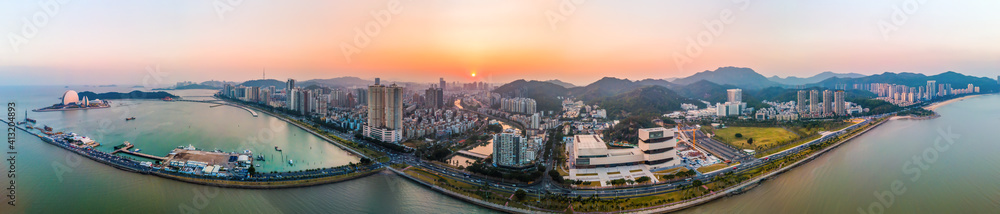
278,85
130,95
646,101
561,83
740,77
659,82
792,80
957,80
606,87
544,93
345,82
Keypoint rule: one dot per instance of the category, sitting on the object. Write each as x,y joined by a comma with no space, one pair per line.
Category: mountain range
793,80
740,77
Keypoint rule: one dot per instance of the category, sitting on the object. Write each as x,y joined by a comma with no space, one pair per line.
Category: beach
946,102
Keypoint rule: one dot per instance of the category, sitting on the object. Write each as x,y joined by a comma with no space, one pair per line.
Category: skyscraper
361,96
394,107
735,95
814,107
376,106
508,147
839,107
827,102
290,94
443,84
801,102
433,97
931,89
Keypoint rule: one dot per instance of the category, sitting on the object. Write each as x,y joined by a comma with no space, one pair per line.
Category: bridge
254,113
472,154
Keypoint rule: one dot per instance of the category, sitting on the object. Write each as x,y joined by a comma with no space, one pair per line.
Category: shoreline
277,184
666,208
936,105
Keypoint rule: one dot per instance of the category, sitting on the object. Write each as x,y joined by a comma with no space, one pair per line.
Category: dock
129,146
223,103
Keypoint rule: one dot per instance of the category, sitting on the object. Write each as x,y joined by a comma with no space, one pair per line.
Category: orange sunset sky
113,42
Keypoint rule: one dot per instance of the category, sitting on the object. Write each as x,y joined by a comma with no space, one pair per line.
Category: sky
62,42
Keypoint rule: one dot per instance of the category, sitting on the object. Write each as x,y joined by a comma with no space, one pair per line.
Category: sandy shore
946,102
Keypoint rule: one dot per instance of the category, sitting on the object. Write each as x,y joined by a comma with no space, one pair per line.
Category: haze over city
501,41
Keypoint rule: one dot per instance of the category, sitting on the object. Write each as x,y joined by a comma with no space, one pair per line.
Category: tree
642,179
738,135
252,170
750,141
520,194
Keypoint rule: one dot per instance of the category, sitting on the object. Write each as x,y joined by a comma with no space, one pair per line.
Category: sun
473,73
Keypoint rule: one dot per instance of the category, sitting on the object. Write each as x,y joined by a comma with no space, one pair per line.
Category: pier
129,146
252,112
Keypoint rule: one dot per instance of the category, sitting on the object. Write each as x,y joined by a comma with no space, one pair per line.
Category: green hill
544,93
647,101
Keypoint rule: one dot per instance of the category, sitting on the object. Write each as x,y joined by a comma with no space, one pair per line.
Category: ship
130,118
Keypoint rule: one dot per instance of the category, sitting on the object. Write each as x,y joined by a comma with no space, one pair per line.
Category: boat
47,128
277,149
130,118
290,162
256,165
136,150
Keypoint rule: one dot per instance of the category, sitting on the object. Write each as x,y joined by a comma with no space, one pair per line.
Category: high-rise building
376,106
931,89
443,84
508,148
735,95
801,102
814,107
827,102
535,119
434,97
394,107
361,96
290,94
839,107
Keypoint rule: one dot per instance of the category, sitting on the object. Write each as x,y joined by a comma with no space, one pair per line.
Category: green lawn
762,136
712,167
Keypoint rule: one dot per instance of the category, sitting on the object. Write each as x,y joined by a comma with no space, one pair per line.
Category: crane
694,138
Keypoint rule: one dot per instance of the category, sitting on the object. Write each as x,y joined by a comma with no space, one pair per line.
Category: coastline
666,208
936,105
750,184
277,184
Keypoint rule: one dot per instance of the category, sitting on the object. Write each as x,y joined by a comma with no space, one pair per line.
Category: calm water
962,178
52,180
